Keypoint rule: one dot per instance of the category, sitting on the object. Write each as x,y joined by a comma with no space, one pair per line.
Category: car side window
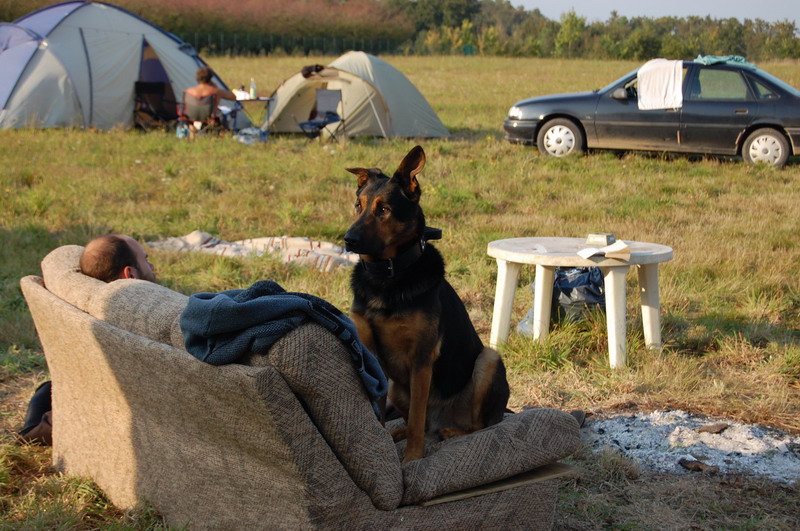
762,91
632,88
716,84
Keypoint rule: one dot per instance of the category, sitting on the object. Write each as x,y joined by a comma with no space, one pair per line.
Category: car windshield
780,83
618,81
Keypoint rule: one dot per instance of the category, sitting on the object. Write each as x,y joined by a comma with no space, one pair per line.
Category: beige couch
285,441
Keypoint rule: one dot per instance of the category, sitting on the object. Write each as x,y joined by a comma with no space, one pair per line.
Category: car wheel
766,146
560,138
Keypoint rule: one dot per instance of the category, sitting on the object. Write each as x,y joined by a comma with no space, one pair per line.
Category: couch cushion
519,443
138,306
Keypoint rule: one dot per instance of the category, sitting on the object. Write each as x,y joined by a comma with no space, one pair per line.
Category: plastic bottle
253,94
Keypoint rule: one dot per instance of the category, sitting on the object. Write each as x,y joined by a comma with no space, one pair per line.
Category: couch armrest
318,369
519,443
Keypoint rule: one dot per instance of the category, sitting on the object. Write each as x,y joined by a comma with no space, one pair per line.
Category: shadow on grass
706,333
691,157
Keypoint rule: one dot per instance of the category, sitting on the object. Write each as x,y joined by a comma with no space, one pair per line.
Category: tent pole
88,123
375,112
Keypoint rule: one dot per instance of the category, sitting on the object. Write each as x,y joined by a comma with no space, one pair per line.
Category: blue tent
74,64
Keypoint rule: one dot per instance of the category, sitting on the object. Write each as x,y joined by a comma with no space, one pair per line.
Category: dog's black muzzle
353,242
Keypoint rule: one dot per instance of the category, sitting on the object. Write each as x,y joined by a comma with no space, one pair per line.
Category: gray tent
74,64
377,100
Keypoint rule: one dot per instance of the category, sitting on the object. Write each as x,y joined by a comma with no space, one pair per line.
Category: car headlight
515,113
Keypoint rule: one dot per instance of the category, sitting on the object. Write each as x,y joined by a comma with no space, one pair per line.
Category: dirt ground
15,393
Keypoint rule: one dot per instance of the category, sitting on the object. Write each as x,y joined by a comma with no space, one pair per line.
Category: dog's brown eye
358,206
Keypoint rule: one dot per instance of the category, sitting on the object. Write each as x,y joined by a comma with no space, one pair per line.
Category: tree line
495,27
485,27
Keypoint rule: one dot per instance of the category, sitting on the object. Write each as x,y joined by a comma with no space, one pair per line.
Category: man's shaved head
115,256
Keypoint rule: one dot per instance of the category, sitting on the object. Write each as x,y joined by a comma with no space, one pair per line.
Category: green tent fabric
377,100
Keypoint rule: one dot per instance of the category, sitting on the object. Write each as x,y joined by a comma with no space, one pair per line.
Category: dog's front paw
398,434
412,456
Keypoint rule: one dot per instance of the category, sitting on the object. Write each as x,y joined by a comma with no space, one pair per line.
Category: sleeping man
107,258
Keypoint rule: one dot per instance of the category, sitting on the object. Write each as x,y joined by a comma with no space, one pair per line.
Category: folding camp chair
324,114
197,115
154,105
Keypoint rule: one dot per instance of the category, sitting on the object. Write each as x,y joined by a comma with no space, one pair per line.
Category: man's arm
225,94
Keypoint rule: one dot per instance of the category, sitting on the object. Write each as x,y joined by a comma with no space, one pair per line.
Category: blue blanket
221,328
727,59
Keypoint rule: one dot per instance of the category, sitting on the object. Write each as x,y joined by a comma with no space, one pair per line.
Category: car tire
560,137
766,145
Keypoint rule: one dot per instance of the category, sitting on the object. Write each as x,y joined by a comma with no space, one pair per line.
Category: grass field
730,297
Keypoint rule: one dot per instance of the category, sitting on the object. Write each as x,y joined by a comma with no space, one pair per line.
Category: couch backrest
315,365
138,306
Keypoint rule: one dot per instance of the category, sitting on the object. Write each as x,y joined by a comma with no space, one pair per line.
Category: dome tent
377,100
74,64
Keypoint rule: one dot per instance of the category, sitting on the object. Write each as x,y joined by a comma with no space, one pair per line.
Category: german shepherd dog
442,379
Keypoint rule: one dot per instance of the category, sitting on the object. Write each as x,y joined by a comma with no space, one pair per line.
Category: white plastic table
549,253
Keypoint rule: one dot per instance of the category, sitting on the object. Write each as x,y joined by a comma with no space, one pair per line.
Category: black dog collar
394,266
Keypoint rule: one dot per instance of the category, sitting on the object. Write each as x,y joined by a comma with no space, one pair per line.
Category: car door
620,124
717,108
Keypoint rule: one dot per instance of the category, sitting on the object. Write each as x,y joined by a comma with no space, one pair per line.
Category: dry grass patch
33,496
612,492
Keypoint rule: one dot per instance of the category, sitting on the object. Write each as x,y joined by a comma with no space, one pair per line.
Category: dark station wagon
727,108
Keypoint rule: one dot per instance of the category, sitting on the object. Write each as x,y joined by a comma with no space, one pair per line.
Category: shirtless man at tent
206,87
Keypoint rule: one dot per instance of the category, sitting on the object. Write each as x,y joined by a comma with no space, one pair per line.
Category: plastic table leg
542,300
651,305
614,277
507,274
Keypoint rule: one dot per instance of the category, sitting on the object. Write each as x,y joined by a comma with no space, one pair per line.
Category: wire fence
260,44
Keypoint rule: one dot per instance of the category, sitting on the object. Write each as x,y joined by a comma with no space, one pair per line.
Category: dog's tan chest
400,342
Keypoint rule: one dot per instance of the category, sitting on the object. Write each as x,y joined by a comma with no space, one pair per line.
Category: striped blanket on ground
323,256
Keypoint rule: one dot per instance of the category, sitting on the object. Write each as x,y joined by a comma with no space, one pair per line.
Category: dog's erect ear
408,170
363,175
